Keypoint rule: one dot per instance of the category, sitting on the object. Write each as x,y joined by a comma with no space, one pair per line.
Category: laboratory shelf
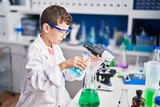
142,14
2,14
65,45
132,52
116,50
16,42
31,12
23,5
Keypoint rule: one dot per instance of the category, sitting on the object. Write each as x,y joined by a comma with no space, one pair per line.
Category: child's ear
45,27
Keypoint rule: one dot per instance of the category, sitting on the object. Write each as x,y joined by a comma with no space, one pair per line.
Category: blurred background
109,23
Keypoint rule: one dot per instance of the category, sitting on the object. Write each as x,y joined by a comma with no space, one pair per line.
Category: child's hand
95,58
77,62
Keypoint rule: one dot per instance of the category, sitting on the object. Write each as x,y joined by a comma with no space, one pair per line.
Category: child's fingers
95,58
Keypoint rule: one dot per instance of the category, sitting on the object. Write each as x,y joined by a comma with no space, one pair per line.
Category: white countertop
16,42
110,99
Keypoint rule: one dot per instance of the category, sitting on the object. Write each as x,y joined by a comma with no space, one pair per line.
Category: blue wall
120,22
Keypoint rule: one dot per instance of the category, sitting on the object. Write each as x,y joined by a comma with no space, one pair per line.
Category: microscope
103,77
104,73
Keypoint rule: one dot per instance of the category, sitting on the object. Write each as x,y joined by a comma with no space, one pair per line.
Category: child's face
56,35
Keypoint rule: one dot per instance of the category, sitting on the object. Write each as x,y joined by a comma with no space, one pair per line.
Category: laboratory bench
111,98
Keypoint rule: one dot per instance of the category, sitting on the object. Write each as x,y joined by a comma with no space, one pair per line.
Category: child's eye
62,31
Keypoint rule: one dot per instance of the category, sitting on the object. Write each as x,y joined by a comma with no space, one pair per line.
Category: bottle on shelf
83,37
74,31
18,29
102,34
156,54
92,35
5,6
138,100
106,35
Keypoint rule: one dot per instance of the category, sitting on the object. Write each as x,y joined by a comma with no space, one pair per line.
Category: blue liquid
76,72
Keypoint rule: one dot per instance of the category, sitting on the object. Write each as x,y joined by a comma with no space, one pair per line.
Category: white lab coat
42,83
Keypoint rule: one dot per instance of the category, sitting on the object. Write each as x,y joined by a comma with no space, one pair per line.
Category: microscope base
104,87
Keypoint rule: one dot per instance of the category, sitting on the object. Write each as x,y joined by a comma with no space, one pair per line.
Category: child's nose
64,36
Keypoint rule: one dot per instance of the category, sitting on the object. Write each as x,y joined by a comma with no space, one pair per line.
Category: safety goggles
59,29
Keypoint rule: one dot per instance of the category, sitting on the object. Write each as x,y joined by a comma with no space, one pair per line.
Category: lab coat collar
44,51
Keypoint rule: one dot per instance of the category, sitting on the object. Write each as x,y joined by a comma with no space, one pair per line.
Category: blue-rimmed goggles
59,29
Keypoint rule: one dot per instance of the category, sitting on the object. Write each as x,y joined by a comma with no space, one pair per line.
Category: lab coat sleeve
41,77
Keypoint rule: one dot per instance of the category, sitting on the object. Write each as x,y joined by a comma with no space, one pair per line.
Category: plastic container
151,69
77,72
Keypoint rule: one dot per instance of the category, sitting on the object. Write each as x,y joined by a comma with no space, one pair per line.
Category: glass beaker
122,61
89,96
151,69
123,100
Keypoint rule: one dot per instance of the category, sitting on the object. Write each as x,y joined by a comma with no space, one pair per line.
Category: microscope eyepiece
98,50
88,46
